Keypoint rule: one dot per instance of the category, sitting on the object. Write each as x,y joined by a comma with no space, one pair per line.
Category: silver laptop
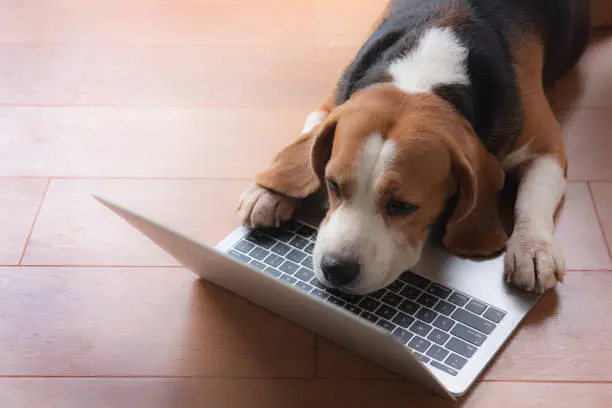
438,325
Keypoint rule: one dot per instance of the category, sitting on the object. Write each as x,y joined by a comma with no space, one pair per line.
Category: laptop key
273,260
403,320
444,368
402,335
439,290
319,293
476,307
316,283
443,323
494,315
391,299
426,315
444,307
455,361
419,344
307,262
437,353
415,280
303,286
352,308
378,294
458,299
410,292
408,307
273,272
306,231
257,264
280,234
304,274
352,299
289,267
296,256
386,312
420,328
336,301
281,249
238,256
288,278
260,239
347,297
309,248
461,347
469,335
438,336
244,246
427,300
299,242
473,321
259,253
369,316
291,225
385,324
369,304
396,286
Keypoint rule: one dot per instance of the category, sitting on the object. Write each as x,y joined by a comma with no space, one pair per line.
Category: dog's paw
533,261
262,208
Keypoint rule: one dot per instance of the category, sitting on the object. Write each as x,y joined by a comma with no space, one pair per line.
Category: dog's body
443,100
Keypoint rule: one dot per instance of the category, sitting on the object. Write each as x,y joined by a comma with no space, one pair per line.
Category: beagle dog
442,104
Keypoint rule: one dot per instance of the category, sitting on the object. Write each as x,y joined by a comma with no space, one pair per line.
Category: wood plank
188,393
139,322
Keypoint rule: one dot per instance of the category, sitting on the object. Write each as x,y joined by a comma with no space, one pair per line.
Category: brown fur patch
453,15
290,173
329,103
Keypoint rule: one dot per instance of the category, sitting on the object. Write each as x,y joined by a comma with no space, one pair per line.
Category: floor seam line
31,231
599,221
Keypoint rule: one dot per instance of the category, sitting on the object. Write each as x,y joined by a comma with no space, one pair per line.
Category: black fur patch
491,102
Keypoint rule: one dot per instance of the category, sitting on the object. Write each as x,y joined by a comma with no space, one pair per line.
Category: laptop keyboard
442,326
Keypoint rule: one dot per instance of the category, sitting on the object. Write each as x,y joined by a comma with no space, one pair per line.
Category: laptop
438,325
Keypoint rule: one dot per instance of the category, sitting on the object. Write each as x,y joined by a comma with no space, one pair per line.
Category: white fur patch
438,59
356,229
518,157
375,157
541,189
314,119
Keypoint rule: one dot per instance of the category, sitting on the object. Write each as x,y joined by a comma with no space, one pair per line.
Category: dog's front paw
533,261
260,207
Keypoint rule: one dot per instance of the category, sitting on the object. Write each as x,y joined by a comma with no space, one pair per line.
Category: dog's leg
277,190
533,260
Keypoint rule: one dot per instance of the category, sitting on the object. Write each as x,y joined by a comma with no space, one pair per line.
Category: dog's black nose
339,271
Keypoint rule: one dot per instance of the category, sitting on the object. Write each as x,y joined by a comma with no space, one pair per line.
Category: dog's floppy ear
475,227
297,170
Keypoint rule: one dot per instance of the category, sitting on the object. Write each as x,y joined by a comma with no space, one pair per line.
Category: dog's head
390,161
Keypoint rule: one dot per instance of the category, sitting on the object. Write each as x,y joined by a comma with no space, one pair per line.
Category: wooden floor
170,106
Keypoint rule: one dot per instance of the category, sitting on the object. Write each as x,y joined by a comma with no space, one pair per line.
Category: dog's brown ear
475,227
297,170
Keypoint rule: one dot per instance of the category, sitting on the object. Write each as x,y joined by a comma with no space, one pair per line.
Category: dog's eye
395,207
333,187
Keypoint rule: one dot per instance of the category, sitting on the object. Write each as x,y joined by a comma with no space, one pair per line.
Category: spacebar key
473,321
